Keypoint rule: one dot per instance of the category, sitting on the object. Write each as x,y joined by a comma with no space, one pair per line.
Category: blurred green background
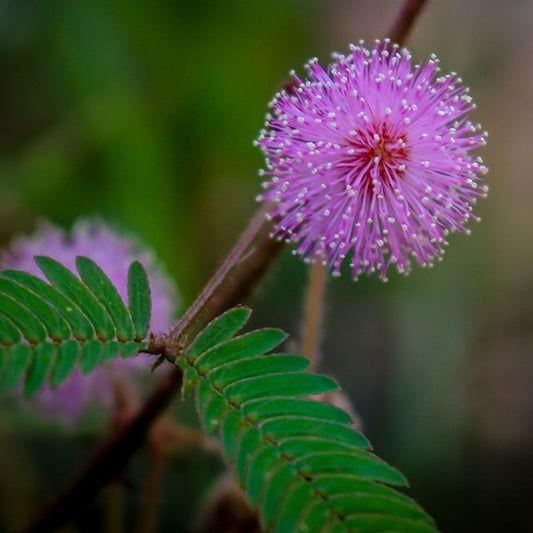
145,113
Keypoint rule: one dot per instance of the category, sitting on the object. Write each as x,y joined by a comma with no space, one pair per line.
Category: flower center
379,156
383,151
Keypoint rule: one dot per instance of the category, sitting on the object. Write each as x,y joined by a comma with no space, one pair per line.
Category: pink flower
372,160
113,252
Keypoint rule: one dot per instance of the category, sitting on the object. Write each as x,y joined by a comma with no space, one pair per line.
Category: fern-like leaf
298,459
47,328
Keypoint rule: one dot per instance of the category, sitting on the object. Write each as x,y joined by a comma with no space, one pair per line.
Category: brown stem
202,306
251,269
404,22
313,310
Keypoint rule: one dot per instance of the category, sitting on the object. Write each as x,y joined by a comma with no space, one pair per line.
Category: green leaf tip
140,304
219,330
298,459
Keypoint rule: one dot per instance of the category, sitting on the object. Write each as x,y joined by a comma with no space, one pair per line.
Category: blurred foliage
145,112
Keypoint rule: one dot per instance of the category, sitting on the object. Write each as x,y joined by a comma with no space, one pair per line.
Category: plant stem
205,303
404,22
313,312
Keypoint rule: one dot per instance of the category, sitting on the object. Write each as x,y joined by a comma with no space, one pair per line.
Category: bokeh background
145,113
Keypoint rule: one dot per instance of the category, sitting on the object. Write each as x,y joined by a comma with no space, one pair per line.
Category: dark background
145,113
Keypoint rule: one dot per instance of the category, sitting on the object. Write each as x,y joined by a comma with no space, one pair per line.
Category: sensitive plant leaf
283,515
132,348
46,329
111,350
91,355
9,334
348,483
282,483
190,379
248,368
41,363
359,495
213,412
262,459
30,326
100,285
67,356
364,464
219,330
380,523
375,503
263,410
55,324
289,384
230,433
249,345
80,325
296,426
70,285
139,299
252,439
296,446
18,359
299,460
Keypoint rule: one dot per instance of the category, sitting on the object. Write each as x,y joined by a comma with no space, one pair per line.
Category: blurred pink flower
113,252
371,160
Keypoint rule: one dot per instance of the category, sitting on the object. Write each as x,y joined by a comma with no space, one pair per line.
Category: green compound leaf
46,329
299,460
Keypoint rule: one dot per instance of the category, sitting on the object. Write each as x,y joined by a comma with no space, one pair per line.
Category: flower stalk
313,313
404,22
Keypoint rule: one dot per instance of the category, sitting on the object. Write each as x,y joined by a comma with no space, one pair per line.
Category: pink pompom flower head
372,160
113,251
